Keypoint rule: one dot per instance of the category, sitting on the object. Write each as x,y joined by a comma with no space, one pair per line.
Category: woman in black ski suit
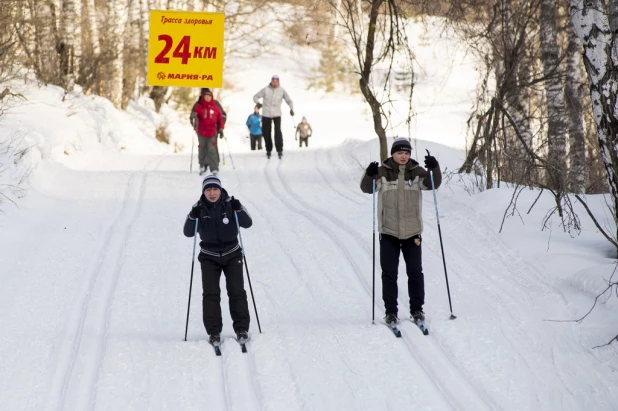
220,251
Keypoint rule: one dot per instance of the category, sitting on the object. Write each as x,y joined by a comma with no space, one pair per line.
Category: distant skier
202,92
209,124
272,96
303,131
400,223
254,124
220,251
193,117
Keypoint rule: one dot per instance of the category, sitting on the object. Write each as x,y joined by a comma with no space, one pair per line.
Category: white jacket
271,106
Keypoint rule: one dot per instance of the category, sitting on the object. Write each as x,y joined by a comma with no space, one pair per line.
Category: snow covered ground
95,274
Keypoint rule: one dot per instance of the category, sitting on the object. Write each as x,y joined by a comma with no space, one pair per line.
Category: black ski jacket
217,226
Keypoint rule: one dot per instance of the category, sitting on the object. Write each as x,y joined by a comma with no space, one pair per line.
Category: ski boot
418,318
242,336
214,339
391,322
280,154
391,319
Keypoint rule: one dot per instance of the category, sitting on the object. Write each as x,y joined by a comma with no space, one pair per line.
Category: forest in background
533,122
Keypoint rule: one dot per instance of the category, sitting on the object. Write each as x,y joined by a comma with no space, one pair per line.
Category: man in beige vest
399,181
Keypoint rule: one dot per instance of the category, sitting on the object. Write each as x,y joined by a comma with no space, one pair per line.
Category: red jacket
209,119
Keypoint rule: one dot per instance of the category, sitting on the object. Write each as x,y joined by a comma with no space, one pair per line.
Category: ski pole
191,164
230,152
373,305
435,202
242,248
192,145
191,282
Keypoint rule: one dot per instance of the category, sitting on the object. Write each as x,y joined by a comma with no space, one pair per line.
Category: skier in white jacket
271,96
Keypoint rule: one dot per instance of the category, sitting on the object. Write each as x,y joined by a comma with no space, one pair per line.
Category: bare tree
376,29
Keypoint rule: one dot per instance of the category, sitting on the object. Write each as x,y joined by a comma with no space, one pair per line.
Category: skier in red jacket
209,120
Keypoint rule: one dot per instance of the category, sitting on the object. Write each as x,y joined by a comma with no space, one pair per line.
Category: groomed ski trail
458,392
94,306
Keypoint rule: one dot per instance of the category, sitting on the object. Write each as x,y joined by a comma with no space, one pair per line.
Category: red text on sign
183,50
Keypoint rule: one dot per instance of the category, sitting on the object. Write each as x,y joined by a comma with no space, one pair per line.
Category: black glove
258,105
292,113
236,206
372,170
430,162
196,211
220,133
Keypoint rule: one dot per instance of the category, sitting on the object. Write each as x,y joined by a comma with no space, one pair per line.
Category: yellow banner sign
185,49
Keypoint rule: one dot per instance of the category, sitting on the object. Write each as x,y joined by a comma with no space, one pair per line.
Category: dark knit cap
211,181
206,91
401,144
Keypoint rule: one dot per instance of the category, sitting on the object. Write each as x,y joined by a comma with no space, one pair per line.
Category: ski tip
243,348
425,331
398,334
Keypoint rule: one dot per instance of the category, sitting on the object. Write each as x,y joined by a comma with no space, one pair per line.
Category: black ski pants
390,247
232,268
256,139
303,140
266,131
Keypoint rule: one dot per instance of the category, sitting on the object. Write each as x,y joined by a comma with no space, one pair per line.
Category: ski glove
292,113
258,105
220,133
236,206
196,211
430,162
372,170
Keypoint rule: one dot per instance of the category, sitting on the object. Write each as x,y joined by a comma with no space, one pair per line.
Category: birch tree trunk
117,11
91,27
131,52
600,59
45,50
574,95
69,36
556,121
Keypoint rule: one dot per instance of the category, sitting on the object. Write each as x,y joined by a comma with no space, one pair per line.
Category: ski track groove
345,183
223,363
512,270
299,395
252,364
257,392
65,374
448,396
329,182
